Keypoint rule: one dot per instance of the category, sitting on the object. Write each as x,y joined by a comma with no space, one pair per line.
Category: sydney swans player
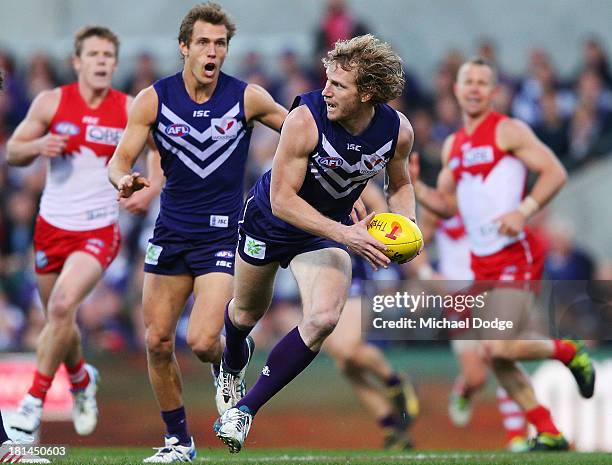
485,167
75,128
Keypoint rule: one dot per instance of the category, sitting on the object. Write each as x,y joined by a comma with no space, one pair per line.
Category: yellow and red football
401,235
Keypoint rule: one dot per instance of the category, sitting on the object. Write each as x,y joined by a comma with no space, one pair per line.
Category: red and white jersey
453,250
78,195
490,183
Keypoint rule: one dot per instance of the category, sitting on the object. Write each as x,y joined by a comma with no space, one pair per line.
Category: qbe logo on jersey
478,156
224,128
103,135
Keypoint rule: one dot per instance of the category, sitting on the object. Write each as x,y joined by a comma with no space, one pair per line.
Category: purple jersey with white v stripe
341,164
203,151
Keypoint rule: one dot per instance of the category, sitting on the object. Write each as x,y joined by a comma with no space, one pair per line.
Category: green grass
78,456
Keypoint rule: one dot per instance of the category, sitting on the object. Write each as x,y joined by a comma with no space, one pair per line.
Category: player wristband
528,207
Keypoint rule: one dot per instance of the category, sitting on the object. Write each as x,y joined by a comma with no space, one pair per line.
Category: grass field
78,456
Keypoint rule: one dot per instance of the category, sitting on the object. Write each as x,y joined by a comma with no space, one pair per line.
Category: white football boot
27,418
85,408
459,409
233,427
231,387
173,452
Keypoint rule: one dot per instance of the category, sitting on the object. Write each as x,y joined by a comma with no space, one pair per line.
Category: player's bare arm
260,106
441,200
31,139
138,203
516,137
298,139
398,188
142,115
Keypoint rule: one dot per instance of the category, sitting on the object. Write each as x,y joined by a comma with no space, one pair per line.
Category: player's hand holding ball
357,239
402,236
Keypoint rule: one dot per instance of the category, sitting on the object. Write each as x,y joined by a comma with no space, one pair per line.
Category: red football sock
564,351
79,378
40,385
541,419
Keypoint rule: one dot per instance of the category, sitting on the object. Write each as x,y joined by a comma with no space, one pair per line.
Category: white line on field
314,458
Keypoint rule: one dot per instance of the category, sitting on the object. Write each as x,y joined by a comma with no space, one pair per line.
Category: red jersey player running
76,129
485,166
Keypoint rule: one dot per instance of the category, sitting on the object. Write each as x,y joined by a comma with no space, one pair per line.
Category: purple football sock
389,421
394,380
176,425
287,360
3,436
236,352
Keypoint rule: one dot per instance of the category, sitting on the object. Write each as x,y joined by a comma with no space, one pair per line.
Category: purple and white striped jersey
203,151
340,165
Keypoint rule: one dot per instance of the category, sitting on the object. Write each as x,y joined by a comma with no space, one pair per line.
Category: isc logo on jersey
103,135
177,130
224,128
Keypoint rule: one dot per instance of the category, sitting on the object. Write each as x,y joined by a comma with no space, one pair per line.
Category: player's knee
159,345
475,379
246,317
61,310
321,324
350,365
205,348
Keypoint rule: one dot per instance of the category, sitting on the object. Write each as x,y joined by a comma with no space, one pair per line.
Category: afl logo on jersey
67,128
177,130
224,128
331,162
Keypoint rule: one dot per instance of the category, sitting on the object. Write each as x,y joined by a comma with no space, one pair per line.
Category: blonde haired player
332,142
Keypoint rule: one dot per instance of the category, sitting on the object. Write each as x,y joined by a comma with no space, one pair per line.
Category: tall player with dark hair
297,215
484,173
201,120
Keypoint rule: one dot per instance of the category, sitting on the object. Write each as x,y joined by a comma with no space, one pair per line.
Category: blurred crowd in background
571,114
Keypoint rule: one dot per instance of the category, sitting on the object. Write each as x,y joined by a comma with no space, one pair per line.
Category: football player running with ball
332,142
